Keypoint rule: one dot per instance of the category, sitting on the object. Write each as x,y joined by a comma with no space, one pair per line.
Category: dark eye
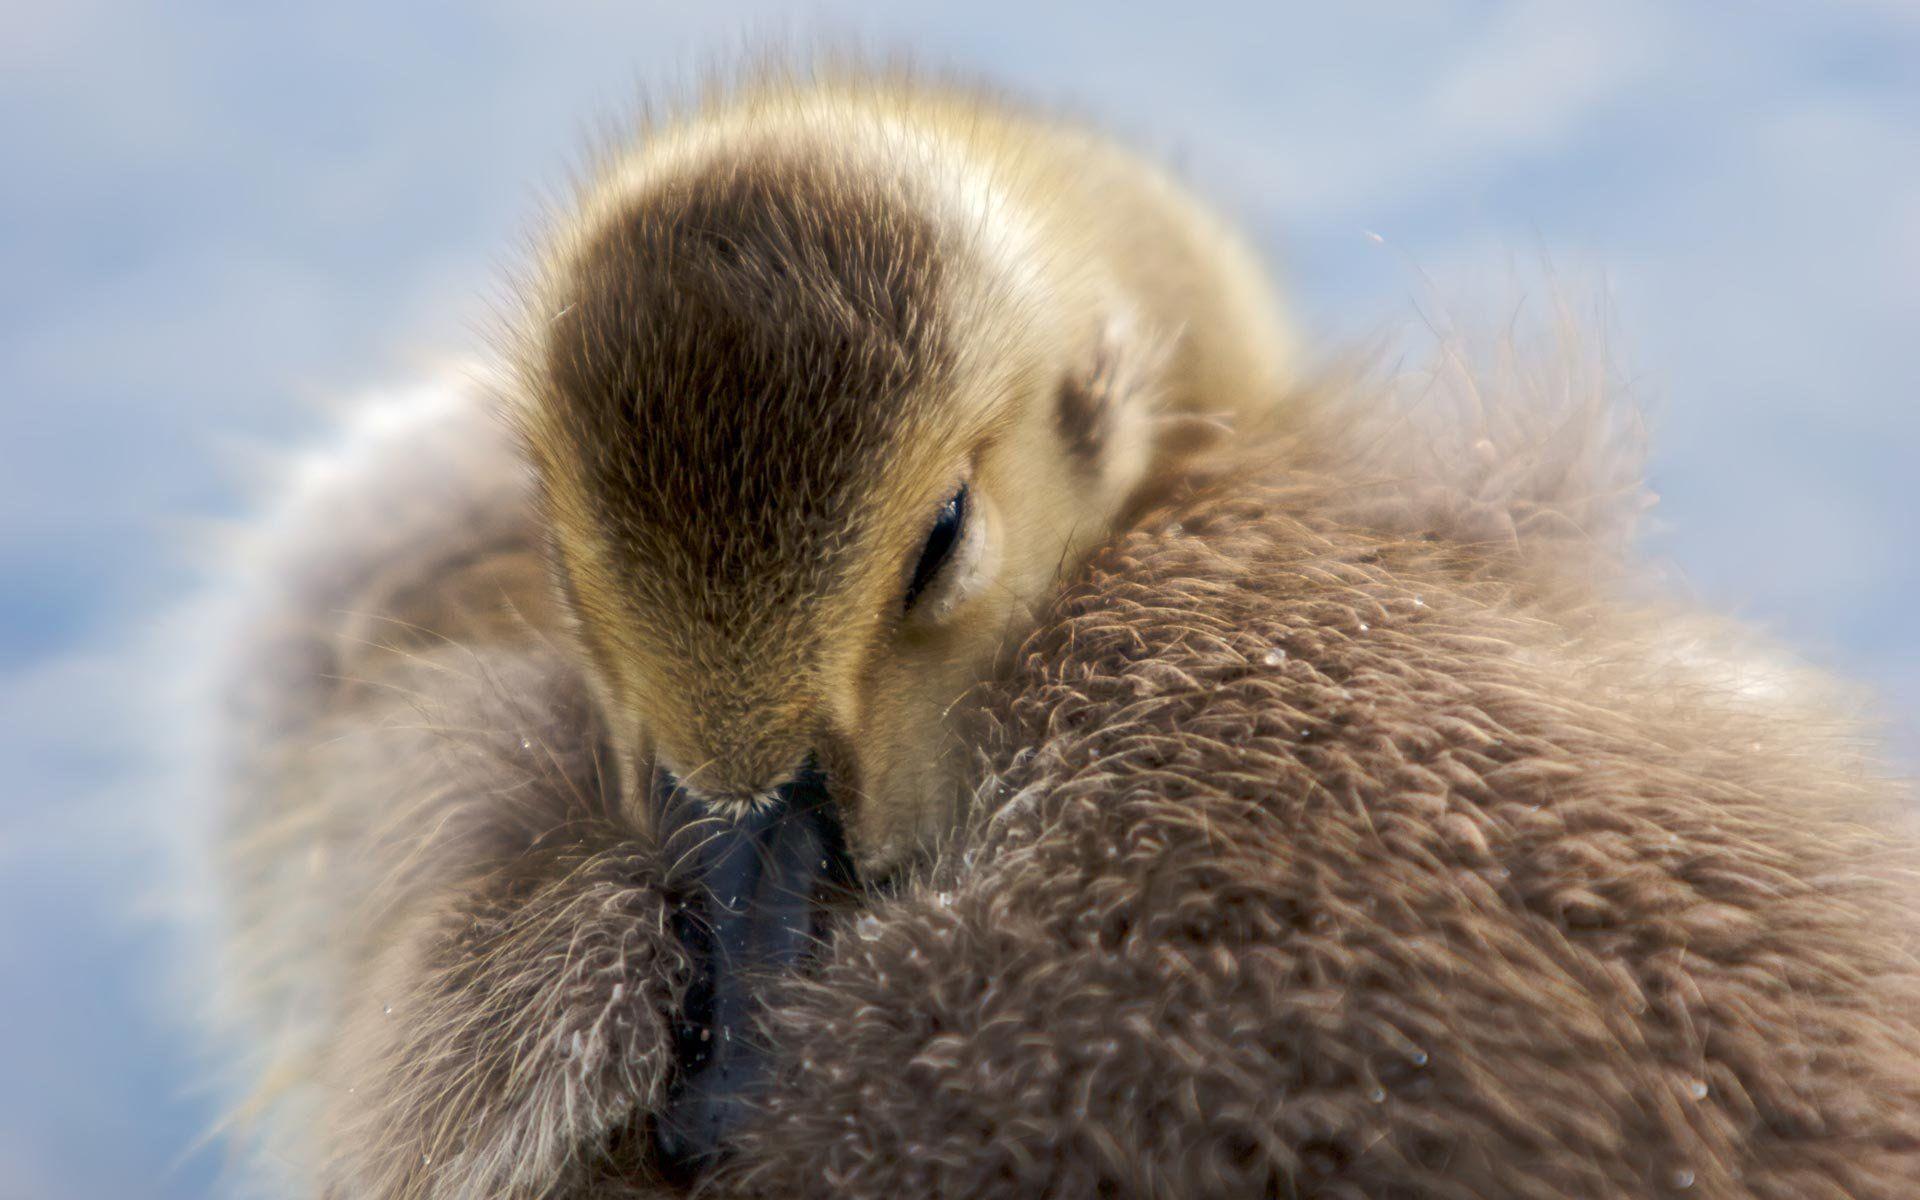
944,536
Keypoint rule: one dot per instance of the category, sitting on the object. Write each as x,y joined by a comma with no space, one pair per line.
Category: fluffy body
1345,829
1324,852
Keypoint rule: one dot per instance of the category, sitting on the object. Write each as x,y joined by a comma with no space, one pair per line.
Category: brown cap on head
735,353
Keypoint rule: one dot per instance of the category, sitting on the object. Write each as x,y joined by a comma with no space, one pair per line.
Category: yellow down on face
826,387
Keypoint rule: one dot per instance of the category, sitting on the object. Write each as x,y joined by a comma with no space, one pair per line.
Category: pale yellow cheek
904,746
905,810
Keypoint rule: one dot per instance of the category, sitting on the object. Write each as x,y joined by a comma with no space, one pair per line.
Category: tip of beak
746,803
726,798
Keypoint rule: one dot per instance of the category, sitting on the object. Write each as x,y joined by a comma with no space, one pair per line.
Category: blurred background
214,218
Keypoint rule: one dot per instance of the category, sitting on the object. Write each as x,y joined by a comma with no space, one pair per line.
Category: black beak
754,892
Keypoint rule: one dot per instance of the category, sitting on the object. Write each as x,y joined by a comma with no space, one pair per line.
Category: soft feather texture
1325,864
445,972
1353,826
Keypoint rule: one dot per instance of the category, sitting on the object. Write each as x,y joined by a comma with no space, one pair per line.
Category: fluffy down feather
1349,828
1328,864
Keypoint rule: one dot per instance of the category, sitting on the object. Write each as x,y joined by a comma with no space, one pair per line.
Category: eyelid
969,569
947,534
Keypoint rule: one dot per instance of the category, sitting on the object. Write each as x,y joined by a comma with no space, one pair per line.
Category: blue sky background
214,217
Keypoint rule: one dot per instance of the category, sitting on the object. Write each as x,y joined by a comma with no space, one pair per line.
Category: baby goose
825,388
